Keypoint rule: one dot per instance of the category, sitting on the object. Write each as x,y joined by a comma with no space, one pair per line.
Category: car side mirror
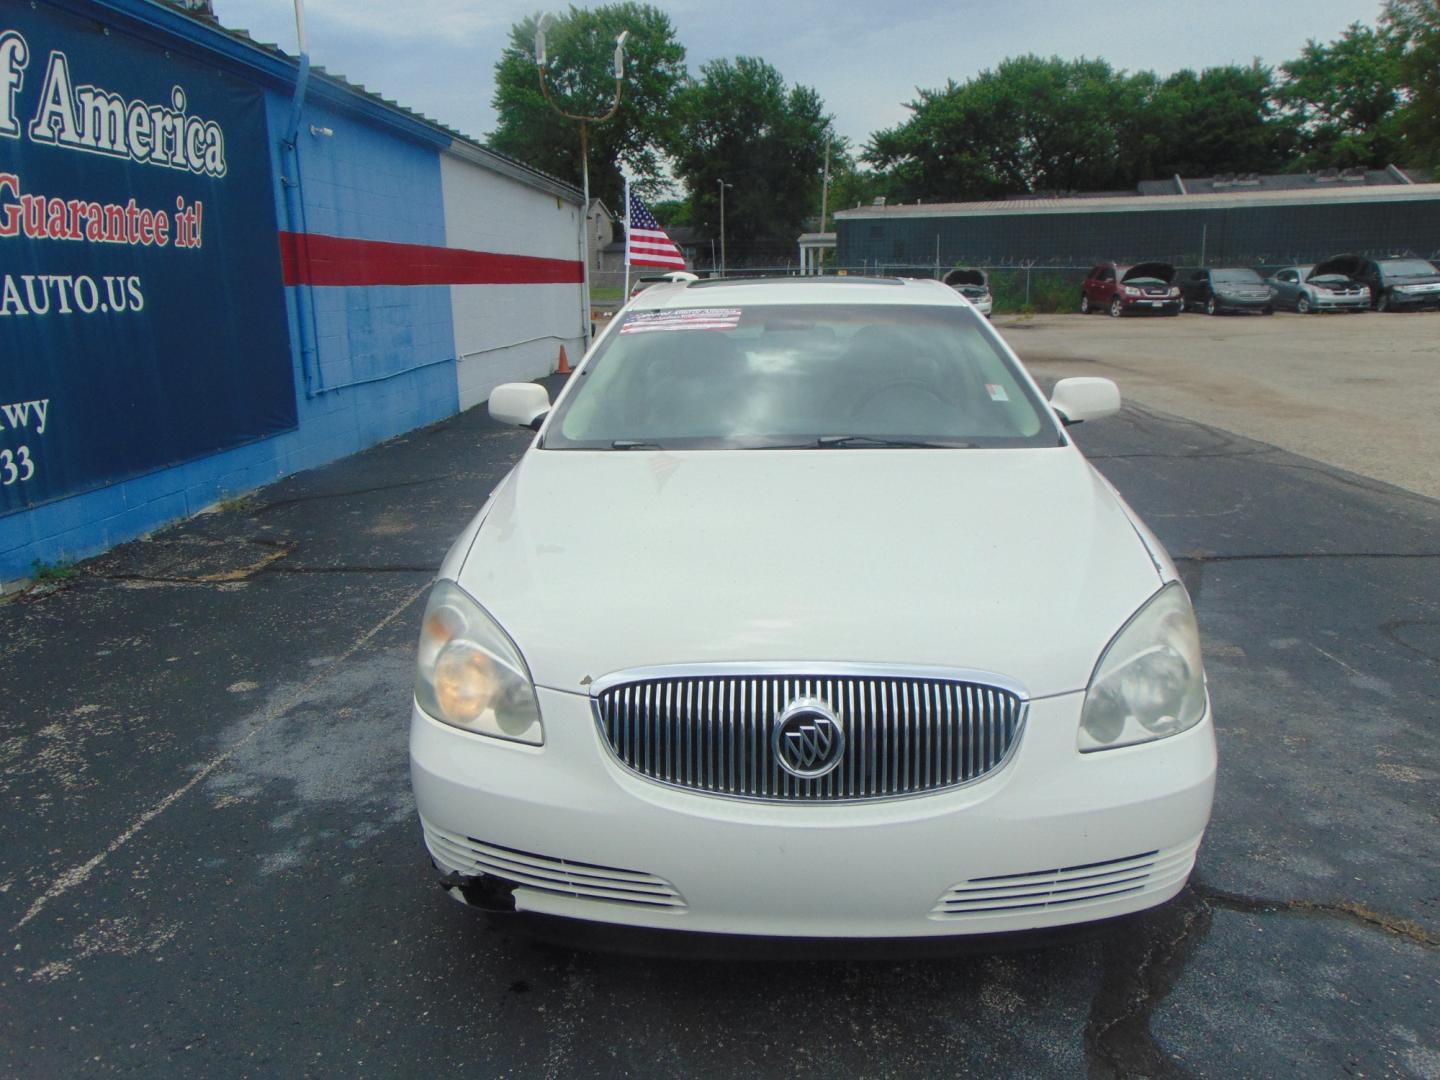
1078,400
520,403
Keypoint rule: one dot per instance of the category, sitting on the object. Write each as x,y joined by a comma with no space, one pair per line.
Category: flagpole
625,296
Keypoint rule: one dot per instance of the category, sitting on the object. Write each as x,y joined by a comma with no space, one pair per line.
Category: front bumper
1053,838
1414,300
1137,304
1341,303
1235,303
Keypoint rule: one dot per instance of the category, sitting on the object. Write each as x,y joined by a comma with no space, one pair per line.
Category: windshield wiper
634,444
828,441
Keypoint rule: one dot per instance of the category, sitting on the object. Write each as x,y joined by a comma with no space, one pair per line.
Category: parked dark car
1217,290
1322,287
1395,283
974,285
1119,289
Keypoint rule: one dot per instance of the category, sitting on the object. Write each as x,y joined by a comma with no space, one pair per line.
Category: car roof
739,292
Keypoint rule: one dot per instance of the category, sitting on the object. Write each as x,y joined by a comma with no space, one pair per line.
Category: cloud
438,56
450,21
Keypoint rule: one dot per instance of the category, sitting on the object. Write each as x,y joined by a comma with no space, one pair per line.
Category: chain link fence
1018,285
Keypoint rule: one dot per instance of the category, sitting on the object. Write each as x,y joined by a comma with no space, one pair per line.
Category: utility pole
585,122
825,189
723,186
824,206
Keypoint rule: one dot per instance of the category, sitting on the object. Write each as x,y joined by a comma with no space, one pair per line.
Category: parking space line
78,875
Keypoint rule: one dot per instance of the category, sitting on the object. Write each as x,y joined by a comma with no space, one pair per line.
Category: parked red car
1121,290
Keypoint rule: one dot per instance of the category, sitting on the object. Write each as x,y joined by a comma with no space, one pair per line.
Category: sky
438,56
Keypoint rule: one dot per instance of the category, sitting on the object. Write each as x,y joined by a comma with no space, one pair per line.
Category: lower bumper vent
565,877
1066,886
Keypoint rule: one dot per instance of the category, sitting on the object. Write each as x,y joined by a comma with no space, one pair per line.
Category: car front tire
1382,302
1212,308
1085,307
1302,305
1116,308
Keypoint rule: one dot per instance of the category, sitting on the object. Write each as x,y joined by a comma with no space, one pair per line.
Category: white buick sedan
803,617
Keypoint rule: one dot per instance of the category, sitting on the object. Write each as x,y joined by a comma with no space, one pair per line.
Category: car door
1092,286
1286,284
1197,289
1104,286
1368,273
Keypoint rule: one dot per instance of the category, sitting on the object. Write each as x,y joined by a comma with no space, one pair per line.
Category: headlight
1174,292
1150,682
470,674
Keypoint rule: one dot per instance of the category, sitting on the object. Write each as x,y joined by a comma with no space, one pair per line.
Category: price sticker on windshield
644,322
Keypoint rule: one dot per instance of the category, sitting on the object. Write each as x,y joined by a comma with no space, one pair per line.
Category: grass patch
52,573
607,292
1050,292
235,503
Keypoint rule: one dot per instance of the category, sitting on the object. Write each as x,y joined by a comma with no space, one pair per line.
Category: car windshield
1396,268
1236,277
814,376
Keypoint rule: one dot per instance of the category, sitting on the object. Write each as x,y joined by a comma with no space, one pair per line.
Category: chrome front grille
714,731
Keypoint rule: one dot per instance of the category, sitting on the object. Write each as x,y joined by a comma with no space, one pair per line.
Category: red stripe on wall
316,259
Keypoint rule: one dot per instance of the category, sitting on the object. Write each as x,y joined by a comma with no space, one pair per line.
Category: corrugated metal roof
1393,192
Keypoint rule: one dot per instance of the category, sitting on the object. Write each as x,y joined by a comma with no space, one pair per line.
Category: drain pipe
295,211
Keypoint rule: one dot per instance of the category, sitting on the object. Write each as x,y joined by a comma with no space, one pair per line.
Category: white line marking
78,875
1332,656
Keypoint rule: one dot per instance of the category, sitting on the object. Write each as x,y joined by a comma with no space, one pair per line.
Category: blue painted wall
385,355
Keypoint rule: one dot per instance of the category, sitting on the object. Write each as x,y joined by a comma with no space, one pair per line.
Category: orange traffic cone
564,368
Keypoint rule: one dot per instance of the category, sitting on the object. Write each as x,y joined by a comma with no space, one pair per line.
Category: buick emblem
808,739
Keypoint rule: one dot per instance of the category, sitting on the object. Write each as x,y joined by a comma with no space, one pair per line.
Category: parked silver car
1321,287
974,285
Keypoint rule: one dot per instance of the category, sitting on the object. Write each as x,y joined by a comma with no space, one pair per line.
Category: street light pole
723,186
585,122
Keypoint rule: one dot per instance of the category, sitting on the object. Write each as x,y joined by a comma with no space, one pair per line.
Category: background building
1246,220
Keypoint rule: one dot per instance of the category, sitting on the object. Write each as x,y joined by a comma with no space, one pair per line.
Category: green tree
740,124
671,211
1030,125
851,184
1346,97
1416,23
580,47
1221,120
1052,125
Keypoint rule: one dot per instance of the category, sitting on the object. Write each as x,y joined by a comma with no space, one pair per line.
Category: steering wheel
899,387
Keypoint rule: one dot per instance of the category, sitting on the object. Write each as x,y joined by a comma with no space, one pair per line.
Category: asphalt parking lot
210,863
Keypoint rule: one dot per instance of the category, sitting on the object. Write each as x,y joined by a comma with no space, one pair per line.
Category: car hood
1019,562
1163,271
964,275
1329,268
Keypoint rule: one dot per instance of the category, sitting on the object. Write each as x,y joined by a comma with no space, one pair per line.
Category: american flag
646,243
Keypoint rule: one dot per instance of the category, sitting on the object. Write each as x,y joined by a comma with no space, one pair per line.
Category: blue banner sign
142,312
